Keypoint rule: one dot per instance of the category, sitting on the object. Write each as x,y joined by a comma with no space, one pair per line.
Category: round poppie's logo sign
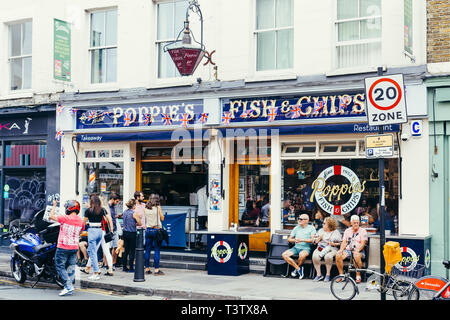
221,251
329,196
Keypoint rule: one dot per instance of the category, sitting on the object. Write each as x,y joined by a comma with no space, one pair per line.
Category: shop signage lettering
324,193
139,115
221,255
304,107
409,259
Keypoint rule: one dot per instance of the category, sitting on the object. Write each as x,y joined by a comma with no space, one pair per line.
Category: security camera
405,136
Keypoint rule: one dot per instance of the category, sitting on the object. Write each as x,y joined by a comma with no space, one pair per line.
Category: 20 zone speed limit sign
385,100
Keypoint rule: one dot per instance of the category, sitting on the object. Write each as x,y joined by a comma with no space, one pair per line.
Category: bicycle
399,283
431,287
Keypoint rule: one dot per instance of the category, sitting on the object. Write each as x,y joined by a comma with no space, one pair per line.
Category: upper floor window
20,55
358,33
103,46
171,16
274,34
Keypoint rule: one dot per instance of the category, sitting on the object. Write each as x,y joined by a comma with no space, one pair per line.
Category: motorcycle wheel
17,272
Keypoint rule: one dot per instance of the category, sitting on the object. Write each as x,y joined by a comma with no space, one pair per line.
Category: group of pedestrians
99,217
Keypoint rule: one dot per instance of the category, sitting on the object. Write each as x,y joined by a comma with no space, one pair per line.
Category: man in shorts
302,235
354,240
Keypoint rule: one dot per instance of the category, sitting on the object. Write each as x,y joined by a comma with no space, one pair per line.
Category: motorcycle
33,248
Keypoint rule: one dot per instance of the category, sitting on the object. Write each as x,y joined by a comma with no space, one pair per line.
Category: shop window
20,55
103,153
90,154
102,178
358,28
339,149
303,150
340,188
25,153
117,153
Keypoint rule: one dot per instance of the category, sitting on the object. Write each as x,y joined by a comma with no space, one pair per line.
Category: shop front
313,161
29,154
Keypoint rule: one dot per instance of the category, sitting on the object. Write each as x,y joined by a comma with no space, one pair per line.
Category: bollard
139,262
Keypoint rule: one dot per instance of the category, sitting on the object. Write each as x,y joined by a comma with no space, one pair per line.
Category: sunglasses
302,219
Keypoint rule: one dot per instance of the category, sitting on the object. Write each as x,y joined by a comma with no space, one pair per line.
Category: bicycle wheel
343,287
401,290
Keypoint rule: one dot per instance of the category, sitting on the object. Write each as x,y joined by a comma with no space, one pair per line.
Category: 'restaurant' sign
269,109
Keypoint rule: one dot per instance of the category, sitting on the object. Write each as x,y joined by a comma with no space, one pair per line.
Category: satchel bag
161,233
109,235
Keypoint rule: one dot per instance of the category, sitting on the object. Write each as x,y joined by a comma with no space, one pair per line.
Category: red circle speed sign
398,94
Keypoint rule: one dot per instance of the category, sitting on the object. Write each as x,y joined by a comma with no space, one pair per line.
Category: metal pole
139,264
381,213
189,231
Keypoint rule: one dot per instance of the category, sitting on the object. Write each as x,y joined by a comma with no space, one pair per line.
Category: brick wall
438,31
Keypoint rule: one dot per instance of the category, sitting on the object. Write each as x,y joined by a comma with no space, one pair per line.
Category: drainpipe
446,196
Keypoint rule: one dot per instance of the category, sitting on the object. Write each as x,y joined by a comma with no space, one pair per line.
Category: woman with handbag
153,219
96,215
131,220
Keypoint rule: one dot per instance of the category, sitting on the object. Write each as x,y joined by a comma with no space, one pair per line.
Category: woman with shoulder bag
131,220
94,214
153,218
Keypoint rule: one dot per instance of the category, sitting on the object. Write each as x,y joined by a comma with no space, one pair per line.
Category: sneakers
159,273
300,273
327,279
294,273
318,278
94,277
83,263
65,292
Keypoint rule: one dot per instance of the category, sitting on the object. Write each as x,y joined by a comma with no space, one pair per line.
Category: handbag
161,233
109,235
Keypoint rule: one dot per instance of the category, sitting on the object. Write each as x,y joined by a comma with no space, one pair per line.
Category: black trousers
201,226
129,243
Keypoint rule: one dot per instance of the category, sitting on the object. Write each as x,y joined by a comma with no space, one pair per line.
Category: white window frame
255,36
21,56
354,42
91,49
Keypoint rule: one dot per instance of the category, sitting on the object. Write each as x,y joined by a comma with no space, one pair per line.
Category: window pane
265,51
26,41
111,65
16,74
180,16
371,28
25,153
97,66
27,73
97,29
264,14
368,54
347,9
284,13
165,21
285,50
348,31
15,36
111,28
166,67
369,8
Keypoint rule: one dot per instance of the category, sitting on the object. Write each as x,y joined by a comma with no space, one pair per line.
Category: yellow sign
379,141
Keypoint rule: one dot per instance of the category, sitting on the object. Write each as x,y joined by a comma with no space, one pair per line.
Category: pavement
183,284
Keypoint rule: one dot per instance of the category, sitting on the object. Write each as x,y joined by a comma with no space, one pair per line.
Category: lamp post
185,54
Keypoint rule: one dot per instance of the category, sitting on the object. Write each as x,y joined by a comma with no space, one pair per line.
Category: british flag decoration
127,119
63,152
73,111
296,112
184,120
272,114
203,118
344,102
226,117
148,119
91,114
167,119
59,134
60,109
318,105
245,114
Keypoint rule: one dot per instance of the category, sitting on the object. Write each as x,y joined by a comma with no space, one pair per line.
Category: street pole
381,212
139,264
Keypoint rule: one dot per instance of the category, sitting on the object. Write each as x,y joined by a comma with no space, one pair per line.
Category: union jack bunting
245,114
91,114
167,120
59,135
184,120
203,118
296,112
272,114
318,105
148,119
344,102
63,152
226,117
73,110
59,109
127,119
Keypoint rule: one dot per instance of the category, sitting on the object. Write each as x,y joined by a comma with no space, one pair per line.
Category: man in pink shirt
140,208
354,240
71,226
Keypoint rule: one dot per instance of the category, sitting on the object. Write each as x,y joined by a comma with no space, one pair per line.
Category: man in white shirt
202,211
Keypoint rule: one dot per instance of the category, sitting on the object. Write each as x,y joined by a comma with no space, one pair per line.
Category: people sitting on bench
302,235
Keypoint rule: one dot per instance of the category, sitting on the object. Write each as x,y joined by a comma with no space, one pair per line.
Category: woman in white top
328,241
153,222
